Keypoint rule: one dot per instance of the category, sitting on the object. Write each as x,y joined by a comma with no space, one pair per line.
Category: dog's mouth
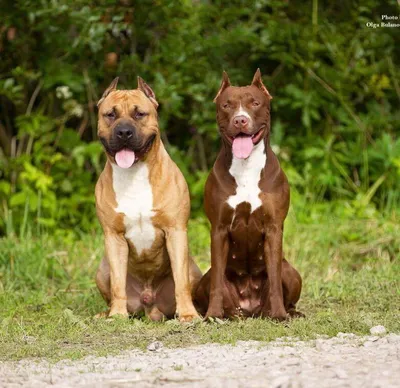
242,144
127,155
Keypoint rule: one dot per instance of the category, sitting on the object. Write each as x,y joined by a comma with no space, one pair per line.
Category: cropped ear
146,89
257,81
224,84
112,87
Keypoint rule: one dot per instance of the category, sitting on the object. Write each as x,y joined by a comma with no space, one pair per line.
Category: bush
336,91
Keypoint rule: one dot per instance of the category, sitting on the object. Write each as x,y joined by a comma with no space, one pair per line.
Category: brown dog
246,201
143,204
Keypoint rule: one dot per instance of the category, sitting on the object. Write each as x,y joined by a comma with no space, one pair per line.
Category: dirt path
342,361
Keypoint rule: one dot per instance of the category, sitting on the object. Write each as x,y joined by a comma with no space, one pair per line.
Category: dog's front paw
214,313
118,309
109,314
114,313
279,314
188,317
295,314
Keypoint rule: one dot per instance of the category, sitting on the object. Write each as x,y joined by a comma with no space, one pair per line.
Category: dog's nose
240,121
124,133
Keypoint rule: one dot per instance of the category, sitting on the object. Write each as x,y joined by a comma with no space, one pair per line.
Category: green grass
48,296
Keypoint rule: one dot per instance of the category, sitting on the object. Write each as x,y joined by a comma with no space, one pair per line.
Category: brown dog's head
127,124
243,114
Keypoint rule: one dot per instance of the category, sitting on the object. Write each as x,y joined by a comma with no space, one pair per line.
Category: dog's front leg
219,257
178,250
117,255
273,258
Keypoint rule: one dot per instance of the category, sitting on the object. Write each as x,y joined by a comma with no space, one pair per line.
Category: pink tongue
125,158
242,147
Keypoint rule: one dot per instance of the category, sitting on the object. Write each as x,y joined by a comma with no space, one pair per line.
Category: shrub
334,81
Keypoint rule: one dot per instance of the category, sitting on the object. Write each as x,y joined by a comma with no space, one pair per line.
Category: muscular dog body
143,205
247,200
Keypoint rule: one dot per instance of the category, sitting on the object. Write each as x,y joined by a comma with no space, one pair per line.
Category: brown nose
240,121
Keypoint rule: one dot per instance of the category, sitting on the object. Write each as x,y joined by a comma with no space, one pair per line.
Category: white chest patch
247,175
135,200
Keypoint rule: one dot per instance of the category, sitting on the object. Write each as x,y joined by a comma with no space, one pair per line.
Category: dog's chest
134,197
246,173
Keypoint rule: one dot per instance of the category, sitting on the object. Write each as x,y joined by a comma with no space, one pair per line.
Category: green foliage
335,116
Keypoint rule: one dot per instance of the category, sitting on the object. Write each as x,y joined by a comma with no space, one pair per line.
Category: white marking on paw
134,198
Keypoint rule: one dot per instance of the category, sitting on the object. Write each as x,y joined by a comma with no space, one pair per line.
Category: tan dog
143,204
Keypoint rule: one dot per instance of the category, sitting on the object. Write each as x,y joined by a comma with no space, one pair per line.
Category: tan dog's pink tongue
125,158
242,147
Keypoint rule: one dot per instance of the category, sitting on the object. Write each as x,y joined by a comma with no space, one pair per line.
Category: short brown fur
248,275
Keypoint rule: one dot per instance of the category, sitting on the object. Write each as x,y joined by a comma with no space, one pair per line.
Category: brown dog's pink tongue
242,146
125,158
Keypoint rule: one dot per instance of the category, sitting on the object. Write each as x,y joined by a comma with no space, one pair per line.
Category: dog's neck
155,152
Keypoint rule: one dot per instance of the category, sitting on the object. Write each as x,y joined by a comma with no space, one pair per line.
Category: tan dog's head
128,124
243,114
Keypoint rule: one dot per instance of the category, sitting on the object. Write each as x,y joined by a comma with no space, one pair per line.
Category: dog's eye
256,103
225,106
110,115
140,115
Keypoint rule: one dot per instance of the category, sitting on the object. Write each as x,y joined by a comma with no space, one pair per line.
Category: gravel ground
342,361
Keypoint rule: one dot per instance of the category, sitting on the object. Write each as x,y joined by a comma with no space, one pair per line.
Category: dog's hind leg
231,298
164,301
291,281
195,276
133,289
202,293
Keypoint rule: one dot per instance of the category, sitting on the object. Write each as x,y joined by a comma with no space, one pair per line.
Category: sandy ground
342,361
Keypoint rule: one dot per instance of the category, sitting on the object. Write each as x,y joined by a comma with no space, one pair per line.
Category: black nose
124,133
